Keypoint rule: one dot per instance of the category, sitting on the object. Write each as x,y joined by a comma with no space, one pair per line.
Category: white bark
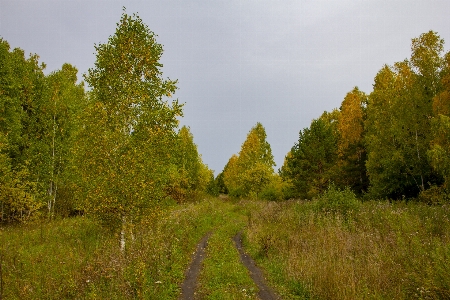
122,234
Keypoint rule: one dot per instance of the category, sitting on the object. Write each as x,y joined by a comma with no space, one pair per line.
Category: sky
238,62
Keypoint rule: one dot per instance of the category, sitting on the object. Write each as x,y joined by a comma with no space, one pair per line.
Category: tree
125,143
308,168
398,125
63,102
231,176
439,152
350,168
189,175
21,89
248,173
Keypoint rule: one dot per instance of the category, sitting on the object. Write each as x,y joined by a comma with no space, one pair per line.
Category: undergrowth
75,258
381,250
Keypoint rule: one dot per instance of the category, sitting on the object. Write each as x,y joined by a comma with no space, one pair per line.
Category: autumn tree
189,176
21,95
125,143
248,173
231,176
350,168
398,129
439,153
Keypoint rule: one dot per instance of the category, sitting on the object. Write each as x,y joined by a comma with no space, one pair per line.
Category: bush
271,193
337,201
434,195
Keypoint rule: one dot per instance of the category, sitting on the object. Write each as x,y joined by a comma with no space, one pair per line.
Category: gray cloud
281,63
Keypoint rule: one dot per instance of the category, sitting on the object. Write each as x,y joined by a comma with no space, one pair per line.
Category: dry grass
384,251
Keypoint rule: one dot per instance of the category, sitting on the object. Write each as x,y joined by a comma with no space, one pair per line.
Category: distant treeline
393,143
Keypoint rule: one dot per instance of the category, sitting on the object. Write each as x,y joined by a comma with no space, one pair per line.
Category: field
371,250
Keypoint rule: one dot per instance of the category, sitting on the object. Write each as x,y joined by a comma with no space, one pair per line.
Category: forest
103,195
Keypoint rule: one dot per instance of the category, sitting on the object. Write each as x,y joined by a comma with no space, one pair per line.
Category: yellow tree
351,169
189,176
248,173
124,145
231,175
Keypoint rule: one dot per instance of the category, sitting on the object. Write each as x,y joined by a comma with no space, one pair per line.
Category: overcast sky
281,63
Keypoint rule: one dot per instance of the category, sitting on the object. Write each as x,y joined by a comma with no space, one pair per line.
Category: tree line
392,143
114,150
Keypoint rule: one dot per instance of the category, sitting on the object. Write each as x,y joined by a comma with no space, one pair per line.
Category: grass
76,258
308,250
223,276
384,251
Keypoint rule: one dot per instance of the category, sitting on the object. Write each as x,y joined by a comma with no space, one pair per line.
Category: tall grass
382,251
76,258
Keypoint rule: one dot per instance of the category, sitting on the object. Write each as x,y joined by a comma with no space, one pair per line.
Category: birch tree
125,143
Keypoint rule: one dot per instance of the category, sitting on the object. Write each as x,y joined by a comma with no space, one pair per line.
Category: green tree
63,101
398,125
21,89
124,147
308,167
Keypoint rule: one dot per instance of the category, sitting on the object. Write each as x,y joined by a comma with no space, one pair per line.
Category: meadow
320,249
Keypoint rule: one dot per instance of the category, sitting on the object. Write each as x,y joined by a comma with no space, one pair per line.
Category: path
190,281
265,292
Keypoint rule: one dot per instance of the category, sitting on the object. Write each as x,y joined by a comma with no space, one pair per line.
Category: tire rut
265,292
190,282
189,285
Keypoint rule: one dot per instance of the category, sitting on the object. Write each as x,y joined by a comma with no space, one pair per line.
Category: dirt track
265,292
190,283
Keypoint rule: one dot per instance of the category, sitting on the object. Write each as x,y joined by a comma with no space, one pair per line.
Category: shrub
434,195
337,201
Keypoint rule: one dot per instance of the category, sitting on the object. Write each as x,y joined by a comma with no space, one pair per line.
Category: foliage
308,167
398,124
248,173
125,143
219,180
336,201
276,189
37,121
190,177
350,169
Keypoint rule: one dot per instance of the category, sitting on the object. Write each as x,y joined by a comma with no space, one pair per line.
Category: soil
190,282
265,292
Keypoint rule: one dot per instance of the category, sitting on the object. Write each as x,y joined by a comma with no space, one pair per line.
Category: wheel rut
189,285
265,292
190,282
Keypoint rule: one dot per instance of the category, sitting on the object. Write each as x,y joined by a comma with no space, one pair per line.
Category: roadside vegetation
77,258
379,250
308,250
